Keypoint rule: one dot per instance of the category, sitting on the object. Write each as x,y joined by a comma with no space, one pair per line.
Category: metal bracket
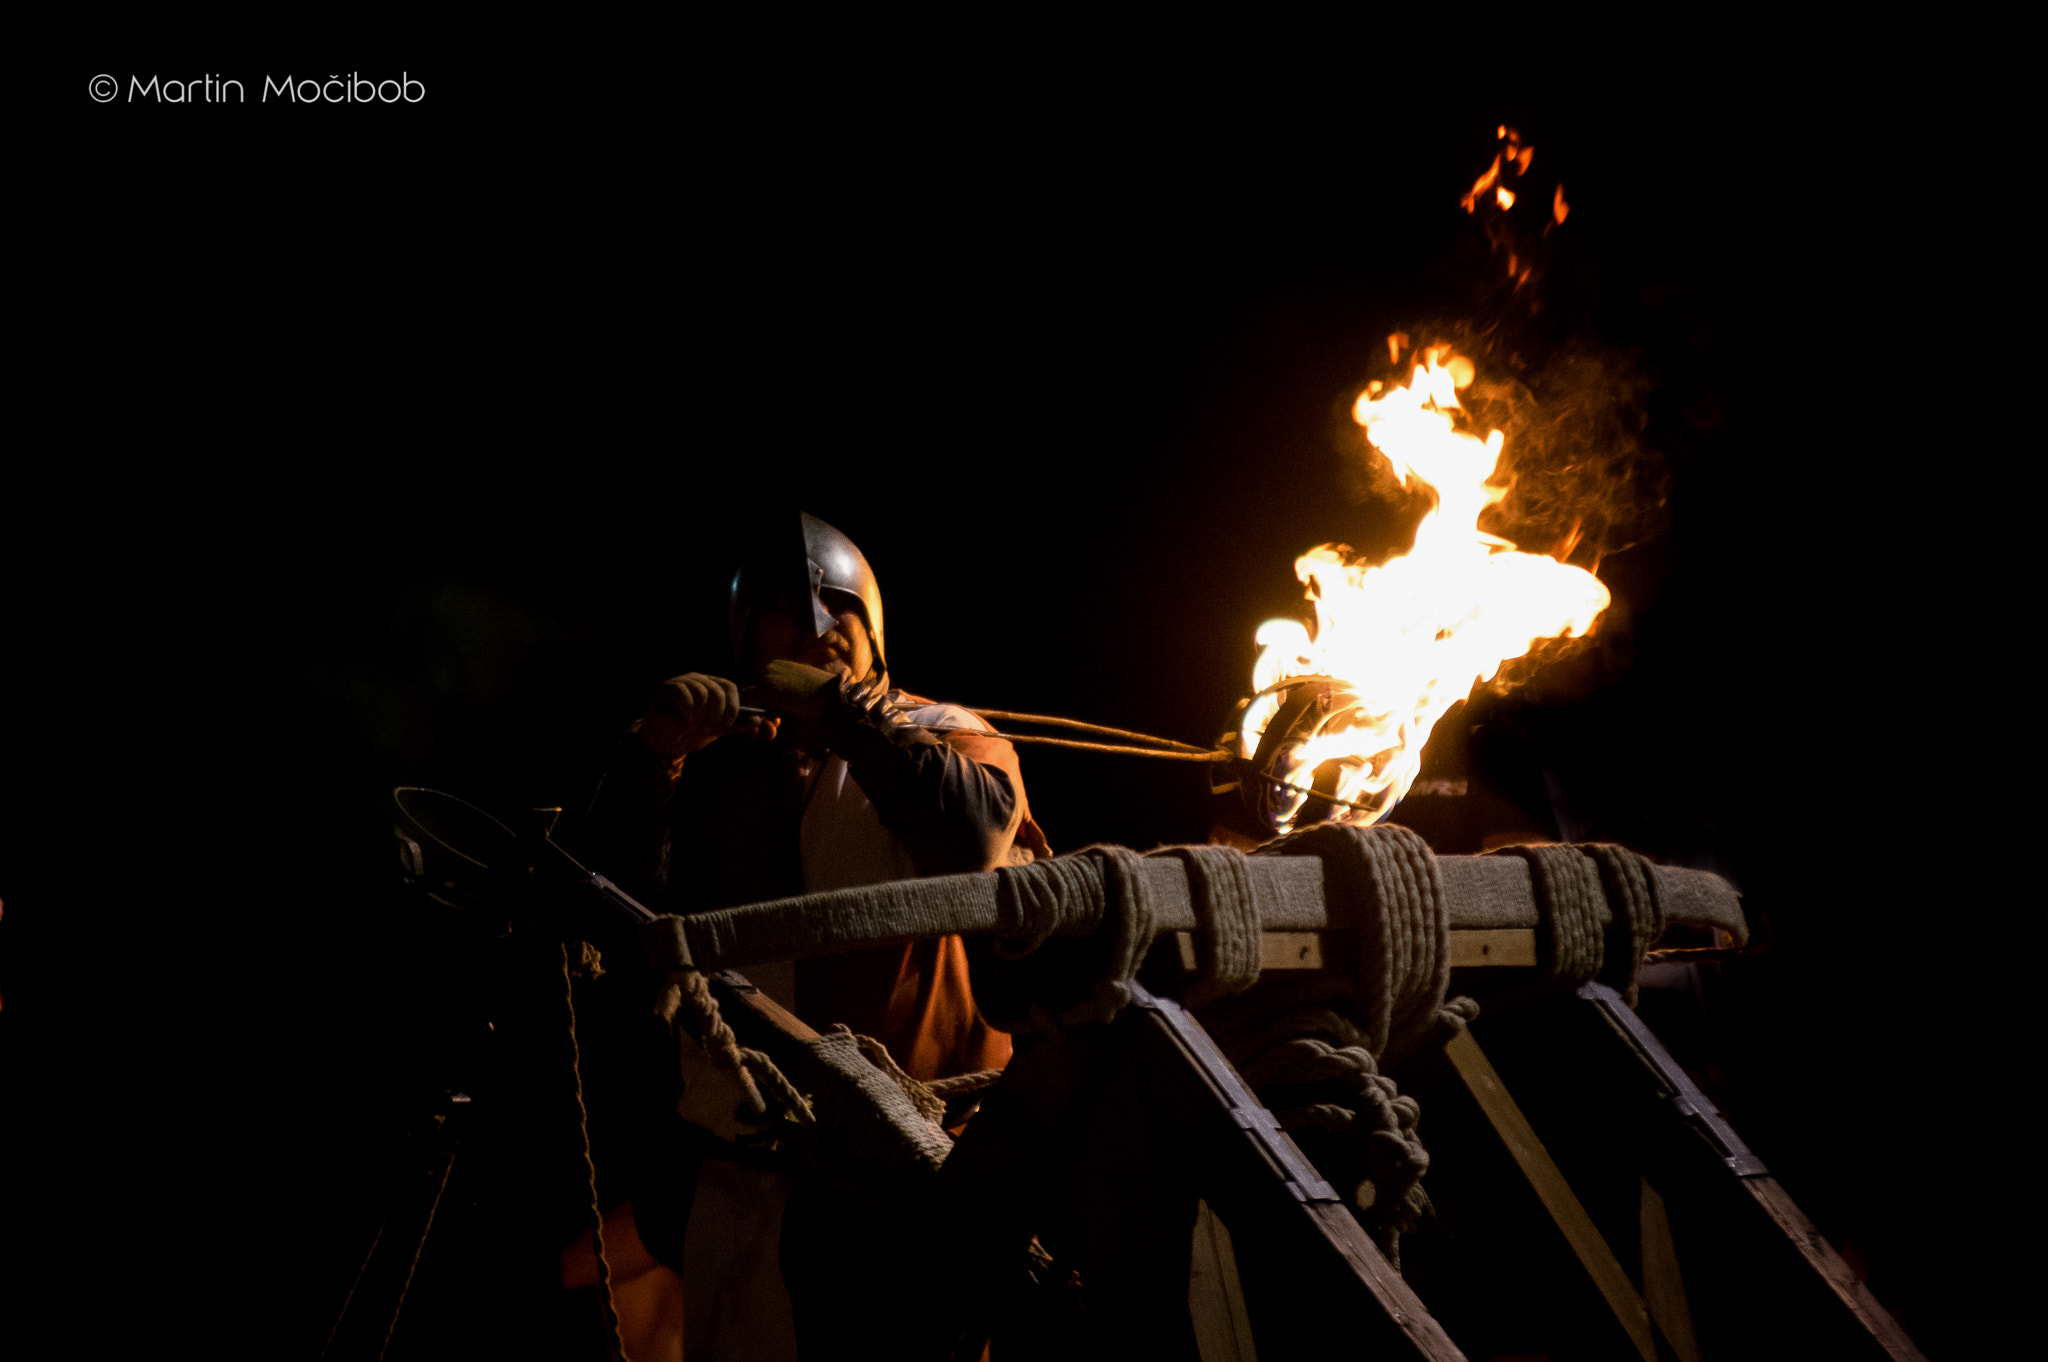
1690,1104
1246,1111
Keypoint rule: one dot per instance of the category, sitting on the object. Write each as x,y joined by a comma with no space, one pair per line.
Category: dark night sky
413,448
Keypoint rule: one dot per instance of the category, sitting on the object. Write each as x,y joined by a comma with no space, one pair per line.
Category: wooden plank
1277,950
765,1007
1493,946
1291,950
1828,1265
1663,1285
1223,1329
1500,946
1404,1309
1553,1191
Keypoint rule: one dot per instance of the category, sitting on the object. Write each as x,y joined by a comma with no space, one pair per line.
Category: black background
411,444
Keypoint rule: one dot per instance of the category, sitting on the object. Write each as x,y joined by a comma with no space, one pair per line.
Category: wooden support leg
1223,1331
1252,1172
1555,1193
1663,1287
1718,1153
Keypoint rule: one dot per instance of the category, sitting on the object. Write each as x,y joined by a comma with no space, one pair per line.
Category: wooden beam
1553,1191
1223,1330
1497,946
1663,1286
1826,1264
765,1007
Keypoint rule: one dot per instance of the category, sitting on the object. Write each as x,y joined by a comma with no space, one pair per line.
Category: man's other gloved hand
689,713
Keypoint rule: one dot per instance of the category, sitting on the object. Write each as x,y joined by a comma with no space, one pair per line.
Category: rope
1051,721
946,1089
1043,898
1166,749
349,1299
1323,1082
1321,1071
1482,891
871,1137
931,1107
1199,754
1569,902
1130,899
1699,955
420,1247
1389,877
1638,917
1227,926
604,1267
751,1068
1098,902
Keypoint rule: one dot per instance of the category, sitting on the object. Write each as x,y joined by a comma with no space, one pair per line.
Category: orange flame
1410,638
1486,181
1514,159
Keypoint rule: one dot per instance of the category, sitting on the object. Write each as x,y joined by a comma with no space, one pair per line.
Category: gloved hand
688,713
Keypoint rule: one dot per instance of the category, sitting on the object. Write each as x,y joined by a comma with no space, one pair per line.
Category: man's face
780,632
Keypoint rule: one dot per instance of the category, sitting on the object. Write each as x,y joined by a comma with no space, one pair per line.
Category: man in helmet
809,774
843,782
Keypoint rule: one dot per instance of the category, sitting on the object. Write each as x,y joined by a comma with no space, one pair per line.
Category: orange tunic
915,998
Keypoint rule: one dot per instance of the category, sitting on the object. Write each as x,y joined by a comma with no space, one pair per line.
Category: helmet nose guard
829,561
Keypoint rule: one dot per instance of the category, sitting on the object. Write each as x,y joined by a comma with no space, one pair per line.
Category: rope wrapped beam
1065,896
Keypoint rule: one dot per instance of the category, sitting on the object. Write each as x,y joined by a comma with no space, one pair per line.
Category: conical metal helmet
819,558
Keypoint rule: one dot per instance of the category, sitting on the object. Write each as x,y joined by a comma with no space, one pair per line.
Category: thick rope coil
1570,900
1047,976
1227,925
1035,900
1637,913
688,1002
1130,904
1389,878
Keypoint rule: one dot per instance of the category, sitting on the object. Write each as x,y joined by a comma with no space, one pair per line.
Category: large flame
1403,642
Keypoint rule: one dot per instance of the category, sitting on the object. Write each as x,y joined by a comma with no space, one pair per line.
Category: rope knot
1325,1087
